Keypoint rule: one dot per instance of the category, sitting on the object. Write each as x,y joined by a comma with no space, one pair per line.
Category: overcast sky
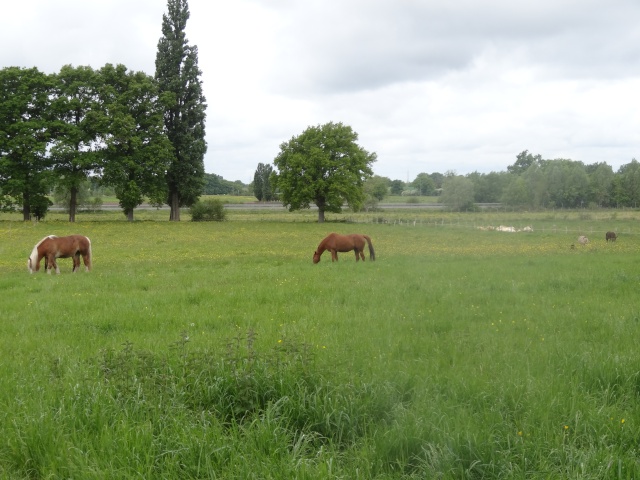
429,85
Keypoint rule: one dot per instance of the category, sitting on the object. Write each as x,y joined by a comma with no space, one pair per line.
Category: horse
335,243
52,247
611,236
582,240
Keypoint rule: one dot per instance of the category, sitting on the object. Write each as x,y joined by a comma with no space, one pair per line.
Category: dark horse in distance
611,236
52,247
335,243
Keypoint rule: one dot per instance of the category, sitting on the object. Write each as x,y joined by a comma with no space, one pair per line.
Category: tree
516,192
537,183
216,185
137,152
628,188
325,166
457,192
488,187
600,183
523,161
424,184
180,86
567,183
396,187
262,183
437,178
24,134
79,122
377,187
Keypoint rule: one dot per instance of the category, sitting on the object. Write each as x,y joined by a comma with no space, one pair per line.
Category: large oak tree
324,166
77,129
137,153
24,135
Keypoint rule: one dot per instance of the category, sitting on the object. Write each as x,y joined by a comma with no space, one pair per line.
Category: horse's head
32,262
316,257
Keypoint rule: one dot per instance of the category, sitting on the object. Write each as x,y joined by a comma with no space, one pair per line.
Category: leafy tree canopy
78,125
424,184
24,134
137,152
323,166
457,192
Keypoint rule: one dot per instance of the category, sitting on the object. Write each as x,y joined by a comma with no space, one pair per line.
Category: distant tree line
142,136
531,182
216,185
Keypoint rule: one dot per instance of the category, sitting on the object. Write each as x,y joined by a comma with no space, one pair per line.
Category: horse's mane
34,253
48,236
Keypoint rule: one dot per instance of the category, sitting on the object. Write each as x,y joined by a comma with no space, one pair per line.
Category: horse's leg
76,263
362,255
50,263
53,264
355,250
87,262
334,255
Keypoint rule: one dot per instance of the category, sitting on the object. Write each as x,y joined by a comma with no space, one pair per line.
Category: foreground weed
241,386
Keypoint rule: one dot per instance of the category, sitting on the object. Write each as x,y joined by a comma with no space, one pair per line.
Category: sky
428,85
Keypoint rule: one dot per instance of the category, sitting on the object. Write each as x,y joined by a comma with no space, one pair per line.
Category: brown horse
52,247
335,243
611,236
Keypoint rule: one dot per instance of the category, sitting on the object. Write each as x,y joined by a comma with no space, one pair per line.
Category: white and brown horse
52,247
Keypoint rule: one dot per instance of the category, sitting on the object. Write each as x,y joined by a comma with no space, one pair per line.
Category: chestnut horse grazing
52,247
335,243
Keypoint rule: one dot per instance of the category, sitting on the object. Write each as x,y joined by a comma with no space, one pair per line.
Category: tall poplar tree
178,78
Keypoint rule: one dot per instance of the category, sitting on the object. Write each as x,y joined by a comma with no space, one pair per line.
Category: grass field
218,350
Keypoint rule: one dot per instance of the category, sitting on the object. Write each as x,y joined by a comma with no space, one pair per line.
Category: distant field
218,350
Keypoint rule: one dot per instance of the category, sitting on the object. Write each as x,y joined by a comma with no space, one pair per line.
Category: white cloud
430,86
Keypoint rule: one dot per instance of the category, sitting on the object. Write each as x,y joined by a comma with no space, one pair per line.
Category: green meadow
218,350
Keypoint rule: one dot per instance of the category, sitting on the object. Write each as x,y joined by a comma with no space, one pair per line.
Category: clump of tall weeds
244,384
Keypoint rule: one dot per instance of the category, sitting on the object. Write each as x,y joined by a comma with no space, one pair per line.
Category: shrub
210,210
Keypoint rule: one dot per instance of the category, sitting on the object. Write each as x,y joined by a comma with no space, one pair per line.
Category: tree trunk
130,215
320,215
73,203
175,207
26,214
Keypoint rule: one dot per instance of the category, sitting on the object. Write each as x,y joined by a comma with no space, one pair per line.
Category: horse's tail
372,253
89,255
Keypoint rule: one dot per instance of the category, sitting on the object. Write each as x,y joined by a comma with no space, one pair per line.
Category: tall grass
218,350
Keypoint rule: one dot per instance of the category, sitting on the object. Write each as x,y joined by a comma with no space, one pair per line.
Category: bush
210,210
